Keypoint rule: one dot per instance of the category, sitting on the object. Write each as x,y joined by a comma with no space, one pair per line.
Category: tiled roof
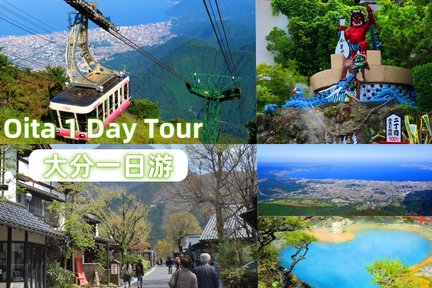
233,227
15,215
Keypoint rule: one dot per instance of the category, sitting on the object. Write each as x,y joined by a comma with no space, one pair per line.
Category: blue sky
360,153
54,13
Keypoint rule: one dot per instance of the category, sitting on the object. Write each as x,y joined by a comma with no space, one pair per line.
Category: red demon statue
356,33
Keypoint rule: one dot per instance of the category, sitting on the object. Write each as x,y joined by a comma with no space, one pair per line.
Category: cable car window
100,111
126,87
107,107
65,116
83,120
116,99
55,117
111,103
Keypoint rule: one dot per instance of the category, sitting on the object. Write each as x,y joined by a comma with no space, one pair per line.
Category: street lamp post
28,197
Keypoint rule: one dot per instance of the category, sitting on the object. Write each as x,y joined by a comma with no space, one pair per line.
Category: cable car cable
21,17
226,39
217,36
145,53
43,23
11,21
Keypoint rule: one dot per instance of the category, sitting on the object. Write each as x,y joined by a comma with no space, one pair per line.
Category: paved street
158,278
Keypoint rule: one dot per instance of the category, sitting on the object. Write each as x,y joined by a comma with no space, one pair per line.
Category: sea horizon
400,172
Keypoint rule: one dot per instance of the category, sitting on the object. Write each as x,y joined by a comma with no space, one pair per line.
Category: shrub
144,109
57,277
240,277
423,85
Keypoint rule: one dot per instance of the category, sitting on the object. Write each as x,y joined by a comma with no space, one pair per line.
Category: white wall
10,194
23,169
36,238
3,233
18,235
265,21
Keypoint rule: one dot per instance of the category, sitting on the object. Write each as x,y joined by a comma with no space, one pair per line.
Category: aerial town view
38,51
335,180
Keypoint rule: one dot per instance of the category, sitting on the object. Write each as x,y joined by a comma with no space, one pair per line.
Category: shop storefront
23,245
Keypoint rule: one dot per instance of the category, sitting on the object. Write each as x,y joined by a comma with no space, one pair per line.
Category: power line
226,39
43,23
145,53
217,36
26,19
22,27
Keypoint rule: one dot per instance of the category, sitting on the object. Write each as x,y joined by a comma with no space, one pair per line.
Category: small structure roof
15,215
234,226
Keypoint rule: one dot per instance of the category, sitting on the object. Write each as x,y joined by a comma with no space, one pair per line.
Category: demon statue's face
357,18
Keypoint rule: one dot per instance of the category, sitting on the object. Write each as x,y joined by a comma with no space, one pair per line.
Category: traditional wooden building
27,228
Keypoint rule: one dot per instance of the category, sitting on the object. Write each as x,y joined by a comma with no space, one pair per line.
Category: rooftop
15,215
234,227
83,97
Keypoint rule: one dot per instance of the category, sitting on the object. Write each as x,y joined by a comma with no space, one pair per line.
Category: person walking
139,271
169,263
184,278
207,275
127,272
177,263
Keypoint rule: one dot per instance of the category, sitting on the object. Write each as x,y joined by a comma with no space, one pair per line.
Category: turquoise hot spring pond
344,264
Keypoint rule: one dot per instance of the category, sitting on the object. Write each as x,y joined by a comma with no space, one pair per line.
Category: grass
278,209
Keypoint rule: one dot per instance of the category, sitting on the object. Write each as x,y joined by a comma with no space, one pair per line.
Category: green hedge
423,85
144,109
240,277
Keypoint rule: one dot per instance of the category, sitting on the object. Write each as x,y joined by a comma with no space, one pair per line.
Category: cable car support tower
215,89
95,74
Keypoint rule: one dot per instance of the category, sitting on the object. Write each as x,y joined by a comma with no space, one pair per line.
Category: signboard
342,45
393,129
114,269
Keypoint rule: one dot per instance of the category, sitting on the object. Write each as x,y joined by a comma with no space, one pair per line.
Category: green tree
312,36
180,224
59,77
8,76
393,274
268,228
164,248
423,84
403,28
144,109
287,229
78,202
123,217
274,83
300,240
